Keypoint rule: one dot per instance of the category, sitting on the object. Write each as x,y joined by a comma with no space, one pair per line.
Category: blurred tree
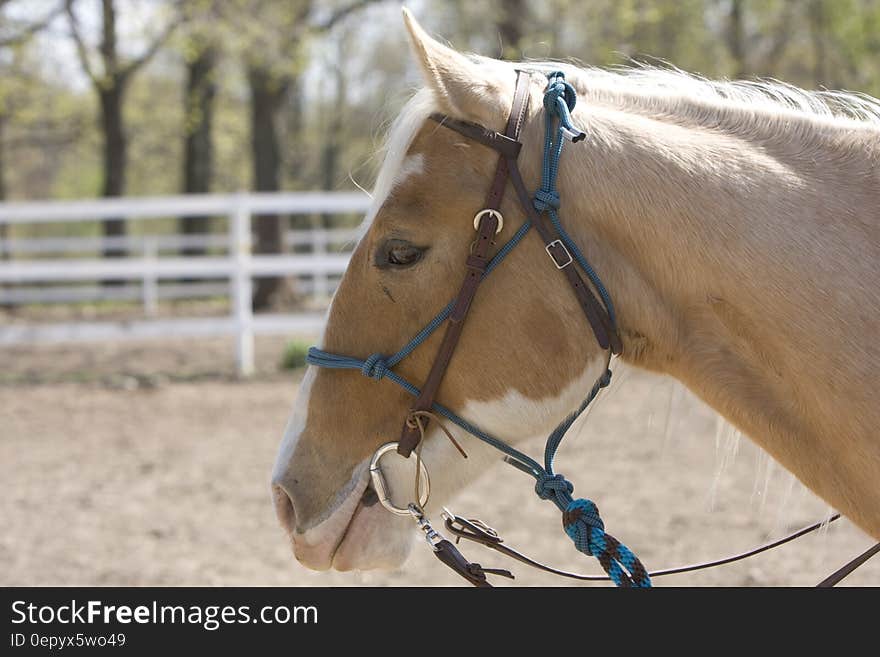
110,82
14,35
15,31
353,87
198,158
262,95
17,89
274,52
818,22
3,227
512,24
736,38
201,56
766,44
268,92
335,124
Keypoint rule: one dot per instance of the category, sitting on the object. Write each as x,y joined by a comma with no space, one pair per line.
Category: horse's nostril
284,508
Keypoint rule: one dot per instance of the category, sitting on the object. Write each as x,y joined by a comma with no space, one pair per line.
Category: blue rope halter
580,517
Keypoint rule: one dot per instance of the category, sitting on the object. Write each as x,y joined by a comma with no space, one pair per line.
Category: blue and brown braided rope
585,528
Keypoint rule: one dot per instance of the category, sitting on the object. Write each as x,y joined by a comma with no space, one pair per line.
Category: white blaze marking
412,165
397,166
296,424
299,415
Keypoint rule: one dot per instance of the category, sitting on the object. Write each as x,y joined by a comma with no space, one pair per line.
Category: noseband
580,517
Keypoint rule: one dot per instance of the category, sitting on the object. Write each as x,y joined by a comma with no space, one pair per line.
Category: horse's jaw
375,540
355,536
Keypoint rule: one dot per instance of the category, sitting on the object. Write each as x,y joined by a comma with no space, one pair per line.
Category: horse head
522,363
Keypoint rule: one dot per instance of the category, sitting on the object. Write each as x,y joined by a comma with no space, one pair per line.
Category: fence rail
60,294
191,205
198,267
141,243
302,323
237,265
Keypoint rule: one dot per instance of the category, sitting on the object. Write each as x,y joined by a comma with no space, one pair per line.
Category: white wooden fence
238,266
317,241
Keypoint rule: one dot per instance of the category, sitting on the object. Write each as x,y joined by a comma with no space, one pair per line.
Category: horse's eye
399,253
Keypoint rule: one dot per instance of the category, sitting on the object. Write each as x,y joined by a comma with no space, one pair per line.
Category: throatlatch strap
595,312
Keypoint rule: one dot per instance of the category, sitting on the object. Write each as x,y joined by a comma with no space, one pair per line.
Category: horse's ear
480,92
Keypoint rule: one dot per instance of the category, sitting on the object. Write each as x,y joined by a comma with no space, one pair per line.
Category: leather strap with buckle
487,223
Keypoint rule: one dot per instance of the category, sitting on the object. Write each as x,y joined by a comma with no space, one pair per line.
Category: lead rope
580,517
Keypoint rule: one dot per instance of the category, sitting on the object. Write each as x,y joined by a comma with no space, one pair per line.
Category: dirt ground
148,464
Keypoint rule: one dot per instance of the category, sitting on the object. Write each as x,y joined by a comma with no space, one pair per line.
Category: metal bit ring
382,489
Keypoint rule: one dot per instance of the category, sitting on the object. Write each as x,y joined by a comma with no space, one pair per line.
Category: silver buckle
558,242
491,213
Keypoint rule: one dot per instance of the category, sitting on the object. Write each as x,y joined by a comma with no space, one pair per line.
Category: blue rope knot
546,198
558,88
580,516
585,528
548,486
559,101
375,367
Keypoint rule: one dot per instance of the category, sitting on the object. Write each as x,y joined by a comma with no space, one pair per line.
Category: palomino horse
736,227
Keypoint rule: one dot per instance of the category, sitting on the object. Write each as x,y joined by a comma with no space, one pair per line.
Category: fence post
242,309
150,283
321,286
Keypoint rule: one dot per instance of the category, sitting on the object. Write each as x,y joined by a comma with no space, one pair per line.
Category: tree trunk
641,37
513,16
333,139
735,39
5,254
110,83
114,156
3,164
198,164
267,97
4,228
779,37
294,117
818,27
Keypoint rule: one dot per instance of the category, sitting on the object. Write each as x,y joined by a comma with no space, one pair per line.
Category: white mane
661,89
658,87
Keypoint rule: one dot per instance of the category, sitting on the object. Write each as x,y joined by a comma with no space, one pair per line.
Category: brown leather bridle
488,222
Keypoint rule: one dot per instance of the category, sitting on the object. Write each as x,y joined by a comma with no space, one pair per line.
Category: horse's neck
748,271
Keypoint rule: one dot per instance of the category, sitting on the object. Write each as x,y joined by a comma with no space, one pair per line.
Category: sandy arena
148,464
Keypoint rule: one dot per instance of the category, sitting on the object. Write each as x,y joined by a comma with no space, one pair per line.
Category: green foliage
347,82
295,353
